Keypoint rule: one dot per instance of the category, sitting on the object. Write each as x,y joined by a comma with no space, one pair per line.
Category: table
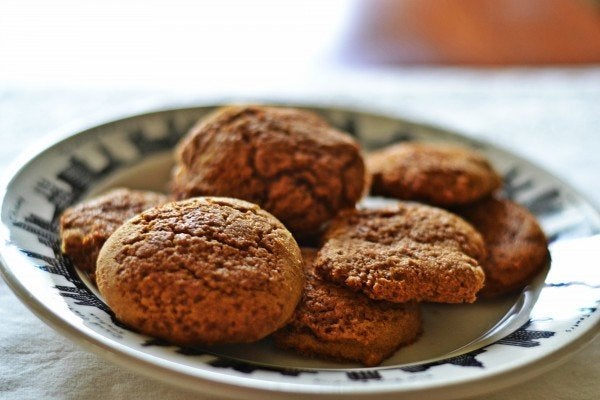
550,116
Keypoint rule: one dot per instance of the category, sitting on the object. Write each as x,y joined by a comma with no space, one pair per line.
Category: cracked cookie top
202,271
441,175
517,247
335,322
85,227
289,161
406,252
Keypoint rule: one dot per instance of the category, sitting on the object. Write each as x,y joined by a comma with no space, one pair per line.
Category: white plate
466,349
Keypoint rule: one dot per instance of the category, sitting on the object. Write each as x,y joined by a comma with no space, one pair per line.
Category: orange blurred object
478,32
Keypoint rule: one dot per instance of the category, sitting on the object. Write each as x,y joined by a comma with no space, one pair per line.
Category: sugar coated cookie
333,322
441,175
289,161
85,227
517,247
405,252
202,271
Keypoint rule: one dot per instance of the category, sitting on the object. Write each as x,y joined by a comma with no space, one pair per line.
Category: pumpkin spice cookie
406,252
85,227
336,323
442,175
516,245
202,271
289,161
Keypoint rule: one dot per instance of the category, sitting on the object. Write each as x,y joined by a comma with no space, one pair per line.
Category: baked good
289,161
442,175
333,322
516,245
405,252
85,227
202,271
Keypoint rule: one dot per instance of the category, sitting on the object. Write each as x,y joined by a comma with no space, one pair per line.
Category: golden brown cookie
516,245
289,161
85,227
406,252
336,323
202,271
441,175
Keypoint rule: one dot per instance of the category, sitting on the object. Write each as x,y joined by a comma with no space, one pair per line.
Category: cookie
202,271
516,245
289,161
85,227
440,175
405,252
333,322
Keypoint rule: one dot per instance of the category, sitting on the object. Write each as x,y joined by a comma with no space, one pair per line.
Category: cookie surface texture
202,271
405,252
289,161
442,175
333,322
517,247
86,226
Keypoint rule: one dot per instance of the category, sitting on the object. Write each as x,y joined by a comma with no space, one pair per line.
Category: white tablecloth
549,116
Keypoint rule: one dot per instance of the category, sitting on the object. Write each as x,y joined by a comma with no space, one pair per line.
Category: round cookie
336,323
85,227
289,161
202,271
441,175
516,245
406,252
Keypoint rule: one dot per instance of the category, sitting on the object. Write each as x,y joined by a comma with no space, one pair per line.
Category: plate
465,350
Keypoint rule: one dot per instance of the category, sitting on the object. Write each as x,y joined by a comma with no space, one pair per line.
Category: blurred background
489,68
193,44
523,74
474,32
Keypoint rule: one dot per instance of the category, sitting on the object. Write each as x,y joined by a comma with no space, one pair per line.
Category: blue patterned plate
466,349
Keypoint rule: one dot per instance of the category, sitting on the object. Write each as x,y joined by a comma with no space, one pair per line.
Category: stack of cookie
464,182
219,260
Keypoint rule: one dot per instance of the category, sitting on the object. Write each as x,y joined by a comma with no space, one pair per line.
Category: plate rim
131,357
221,384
